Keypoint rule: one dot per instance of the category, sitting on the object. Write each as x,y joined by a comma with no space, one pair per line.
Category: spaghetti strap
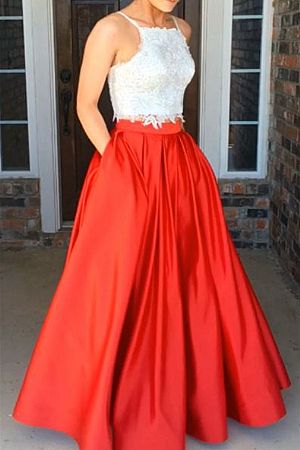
176,24
129,18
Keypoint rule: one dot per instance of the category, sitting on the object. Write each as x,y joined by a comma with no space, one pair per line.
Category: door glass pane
13,96
11,44
241,7
15,148
246,43
245,85
244,96
242,152
10,7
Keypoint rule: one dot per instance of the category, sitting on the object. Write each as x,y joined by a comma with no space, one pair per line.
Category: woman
154,330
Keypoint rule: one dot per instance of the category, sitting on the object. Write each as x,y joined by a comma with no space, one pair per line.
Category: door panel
73,21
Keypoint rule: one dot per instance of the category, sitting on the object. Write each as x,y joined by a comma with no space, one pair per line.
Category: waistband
138,125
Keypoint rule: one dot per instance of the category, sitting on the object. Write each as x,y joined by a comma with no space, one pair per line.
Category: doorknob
66,98
65,75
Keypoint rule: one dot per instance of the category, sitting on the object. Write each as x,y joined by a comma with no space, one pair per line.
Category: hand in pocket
105,148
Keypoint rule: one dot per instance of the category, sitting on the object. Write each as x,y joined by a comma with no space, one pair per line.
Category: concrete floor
28,281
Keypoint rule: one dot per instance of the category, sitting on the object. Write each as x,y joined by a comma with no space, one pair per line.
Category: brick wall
246,206
20,221
284,137
245,202
20,216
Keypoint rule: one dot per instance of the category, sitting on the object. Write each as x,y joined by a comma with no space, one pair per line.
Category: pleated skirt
154,330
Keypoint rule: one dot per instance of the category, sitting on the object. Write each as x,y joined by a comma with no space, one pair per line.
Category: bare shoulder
109,28
185,27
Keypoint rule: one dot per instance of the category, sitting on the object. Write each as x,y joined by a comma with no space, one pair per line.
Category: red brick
261,202
232,224
290,61
261,223
9,212
13,224
231,212
287,130
238,188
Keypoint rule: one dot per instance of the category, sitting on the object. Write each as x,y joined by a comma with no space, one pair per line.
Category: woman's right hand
104,148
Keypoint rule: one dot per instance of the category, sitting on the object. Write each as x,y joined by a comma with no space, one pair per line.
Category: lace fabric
153,119
150,86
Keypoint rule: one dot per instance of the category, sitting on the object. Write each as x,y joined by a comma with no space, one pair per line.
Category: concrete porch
28,280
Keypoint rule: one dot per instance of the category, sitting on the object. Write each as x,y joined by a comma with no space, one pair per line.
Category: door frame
40,42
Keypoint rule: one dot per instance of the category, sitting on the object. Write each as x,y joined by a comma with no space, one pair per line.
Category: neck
145,11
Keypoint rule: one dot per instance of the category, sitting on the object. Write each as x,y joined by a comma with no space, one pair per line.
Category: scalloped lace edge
151,119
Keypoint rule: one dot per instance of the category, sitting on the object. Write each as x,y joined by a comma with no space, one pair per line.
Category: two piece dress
154,330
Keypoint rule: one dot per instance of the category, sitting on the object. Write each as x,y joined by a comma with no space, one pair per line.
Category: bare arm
100,49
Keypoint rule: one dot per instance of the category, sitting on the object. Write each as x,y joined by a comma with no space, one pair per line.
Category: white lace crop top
150,86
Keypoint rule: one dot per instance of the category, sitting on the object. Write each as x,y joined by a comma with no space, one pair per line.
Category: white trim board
39,13
211,80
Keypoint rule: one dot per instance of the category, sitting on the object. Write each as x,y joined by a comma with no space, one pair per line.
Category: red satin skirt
154,330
